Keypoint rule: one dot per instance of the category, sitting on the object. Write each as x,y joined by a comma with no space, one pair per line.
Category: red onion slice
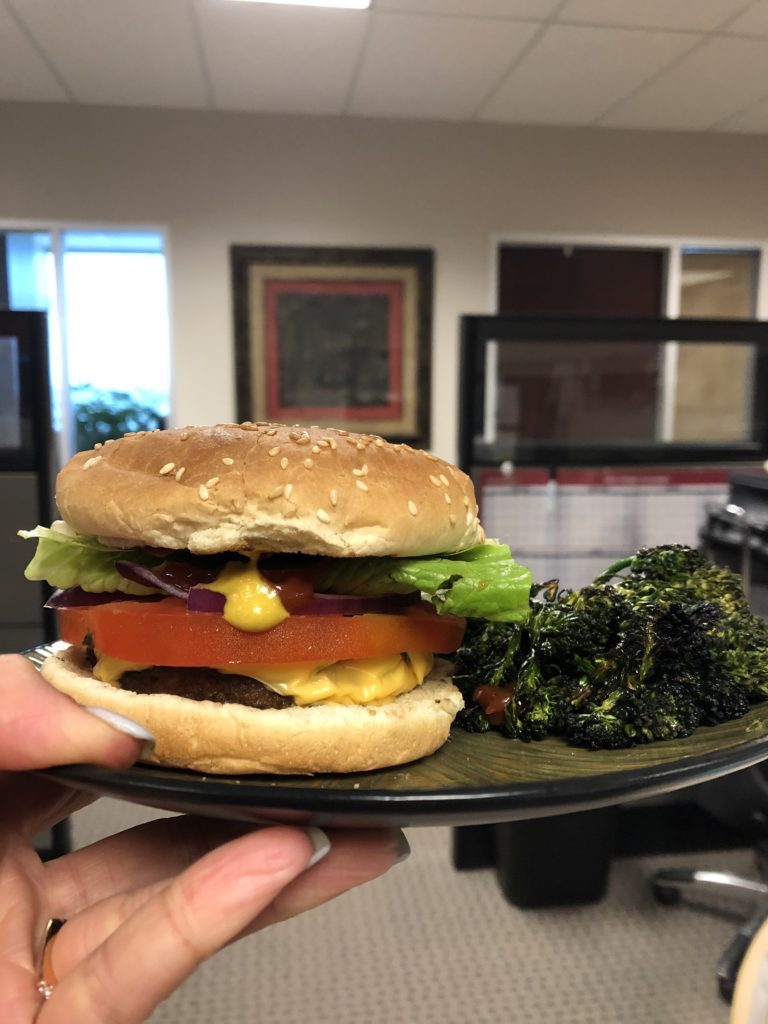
201,599
75,597
174,578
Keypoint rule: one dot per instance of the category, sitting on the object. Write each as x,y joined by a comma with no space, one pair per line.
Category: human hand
143,909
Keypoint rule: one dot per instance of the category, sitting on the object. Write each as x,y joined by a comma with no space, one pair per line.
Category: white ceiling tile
434,67
536,9
24,74
281,59
694,15
574,73
753,21
754,119
108,51
715,81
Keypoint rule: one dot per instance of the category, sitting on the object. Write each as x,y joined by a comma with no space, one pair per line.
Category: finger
356,857
31,804
41,727
152,952
154,851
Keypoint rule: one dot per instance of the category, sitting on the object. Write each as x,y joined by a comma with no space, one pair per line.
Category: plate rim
603,789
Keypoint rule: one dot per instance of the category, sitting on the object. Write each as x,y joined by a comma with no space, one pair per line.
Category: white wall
215,179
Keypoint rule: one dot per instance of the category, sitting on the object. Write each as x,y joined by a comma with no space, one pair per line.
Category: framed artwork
337,337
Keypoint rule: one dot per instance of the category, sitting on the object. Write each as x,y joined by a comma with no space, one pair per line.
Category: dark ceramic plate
472,780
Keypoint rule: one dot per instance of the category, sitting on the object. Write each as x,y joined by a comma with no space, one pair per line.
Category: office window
106,297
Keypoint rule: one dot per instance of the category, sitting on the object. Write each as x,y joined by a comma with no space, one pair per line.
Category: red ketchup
493,700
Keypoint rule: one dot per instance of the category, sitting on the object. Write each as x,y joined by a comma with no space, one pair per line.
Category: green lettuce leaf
483,582
65,559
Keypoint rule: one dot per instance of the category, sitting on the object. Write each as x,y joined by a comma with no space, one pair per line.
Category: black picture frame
335,336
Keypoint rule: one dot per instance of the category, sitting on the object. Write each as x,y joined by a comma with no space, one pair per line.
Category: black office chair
739,800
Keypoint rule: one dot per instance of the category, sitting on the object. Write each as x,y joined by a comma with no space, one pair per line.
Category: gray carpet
428,945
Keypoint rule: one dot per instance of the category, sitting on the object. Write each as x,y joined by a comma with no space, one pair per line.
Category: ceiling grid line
205,70
39,50
532,43
354,78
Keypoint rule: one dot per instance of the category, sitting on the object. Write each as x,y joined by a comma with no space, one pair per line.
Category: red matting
392,291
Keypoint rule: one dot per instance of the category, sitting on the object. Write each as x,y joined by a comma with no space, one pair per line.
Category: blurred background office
572,157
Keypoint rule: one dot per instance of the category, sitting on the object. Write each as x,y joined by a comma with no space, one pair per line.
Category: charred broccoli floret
659,644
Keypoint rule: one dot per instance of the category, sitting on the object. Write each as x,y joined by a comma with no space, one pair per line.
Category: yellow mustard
252,603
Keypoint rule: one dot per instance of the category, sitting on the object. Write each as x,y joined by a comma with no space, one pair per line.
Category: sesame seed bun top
269,487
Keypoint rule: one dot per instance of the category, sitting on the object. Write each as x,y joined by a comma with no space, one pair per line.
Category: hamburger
268,598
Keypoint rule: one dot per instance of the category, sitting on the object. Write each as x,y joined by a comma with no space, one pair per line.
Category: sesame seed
92,461
363,471
308,463
180,472
276,492
380,442
434,480
326,442
304,439
447,497
294,435
228,462
470,517
212,482
351,440
203,492
334,498
466,501
283,463
184,437
167,468
362,485
323,516
452,518
445,479
98,445
334,446
343,433
412,508
274,451
360,446
288,489
316,449
272,432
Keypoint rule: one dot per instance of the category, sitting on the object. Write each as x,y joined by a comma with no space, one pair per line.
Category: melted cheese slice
252,603
361,681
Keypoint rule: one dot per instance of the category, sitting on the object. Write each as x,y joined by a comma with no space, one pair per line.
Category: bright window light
350,5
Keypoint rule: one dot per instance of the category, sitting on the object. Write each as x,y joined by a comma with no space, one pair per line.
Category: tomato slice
165,633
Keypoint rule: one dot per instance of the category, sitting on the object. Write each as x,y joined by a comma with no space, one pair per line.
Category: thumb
41,727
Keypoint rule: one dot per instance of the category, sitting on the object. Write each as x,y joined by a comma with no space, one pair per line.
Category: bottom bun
234,739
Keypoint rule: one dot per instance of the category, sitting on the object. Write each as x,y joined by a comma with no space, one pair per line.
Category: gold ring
46,976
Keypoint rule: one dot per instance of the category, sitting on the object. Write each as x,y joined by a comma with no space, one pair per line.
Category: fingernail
402,848
320,842
124,725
